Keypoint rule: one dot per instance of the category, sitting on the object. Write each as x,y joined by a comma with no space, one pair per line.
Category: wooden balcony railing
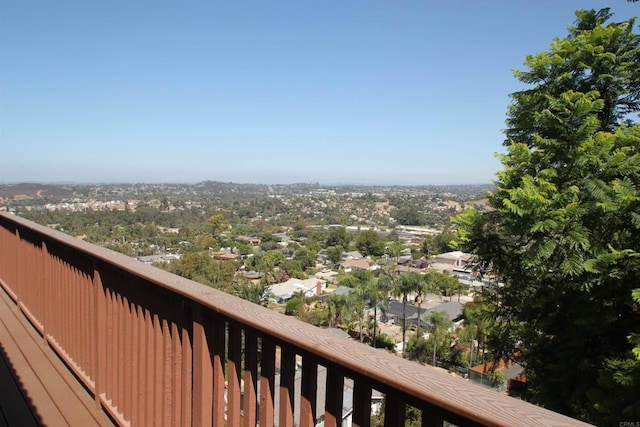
156,349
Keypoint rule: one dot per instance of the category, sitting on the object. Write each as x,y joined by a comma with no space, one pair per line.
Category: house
404,259
253,276
455,258
420,263
283,292
408,269
452,309
355,264
153,259
321,257
511,370
351,255
253,241
283,239
225,256
340,290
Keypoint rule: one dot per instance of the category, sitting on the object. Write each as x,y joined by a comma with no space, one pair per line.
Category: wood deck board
46,387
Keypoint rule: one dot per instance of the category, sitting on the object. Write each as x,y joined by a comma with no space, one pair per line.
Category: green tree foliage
293,305
634,338
305,257
256,293
404,285
269,263
336,307
338,236
369,243
334,254
204,269
438,244
218,224
437,346
409,215
563,234
377,294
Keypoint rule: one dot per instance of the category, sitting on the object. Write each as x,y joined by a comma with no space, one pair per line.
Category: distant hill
26,191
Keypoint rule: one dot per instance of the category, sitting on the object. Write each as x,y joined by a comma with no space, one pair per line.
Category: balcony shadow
17,408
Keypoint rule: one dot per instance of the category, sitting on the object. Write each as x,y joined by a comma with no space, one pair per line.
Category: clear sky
331,91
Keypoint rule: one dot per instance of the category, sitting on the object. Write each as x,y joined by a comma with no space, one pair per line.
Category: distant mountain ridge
34,191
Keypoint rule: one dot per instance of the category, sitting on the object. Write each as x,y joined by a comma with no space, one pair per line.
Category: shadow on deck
36,388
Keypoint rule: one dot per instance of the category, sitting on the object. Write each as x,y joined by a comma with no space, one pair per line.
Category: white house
283,292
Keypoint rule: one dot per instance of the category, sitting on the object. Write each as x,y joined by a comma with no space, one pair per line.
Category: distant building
456,258
355,264
154,259
253,241
284,291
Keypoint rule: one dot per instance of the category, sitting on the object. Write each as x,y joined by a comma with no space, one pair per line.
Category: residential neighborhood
341,258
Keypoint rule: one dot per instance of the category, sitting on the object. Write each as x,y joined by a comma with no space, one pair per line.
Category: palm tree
440,324
429,284
356,304
403,285
335,308
378,292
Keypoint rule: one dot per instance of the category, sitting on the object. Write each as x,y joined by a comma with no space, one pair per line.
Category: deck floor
36,388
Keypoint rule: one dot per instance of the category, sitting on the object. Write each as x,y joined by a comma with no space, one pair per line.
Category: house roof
286,289
352,254
363,264
225,256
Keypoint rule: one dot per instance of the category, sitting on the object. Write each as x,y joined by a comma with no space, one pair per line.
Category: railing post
361,403
334,396
202,374
267,376
394,411
44,294
234,368
250,378
309,392
287,382
217,330
99,335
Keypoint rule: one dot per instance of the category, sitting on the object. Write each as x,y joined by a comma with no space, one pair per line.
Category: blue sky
366,92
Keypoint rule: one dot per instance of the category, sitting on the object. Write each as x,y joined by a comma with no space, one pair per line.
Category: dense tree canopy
369,242
564,232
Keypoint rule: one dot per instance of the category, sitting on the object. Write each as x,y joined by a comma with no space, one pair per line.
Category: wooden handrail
158,349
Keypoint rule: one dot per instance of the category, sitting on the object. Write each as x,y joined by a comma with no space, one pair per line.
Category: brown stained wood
46,385
44,290
394,411
99,343
176,371
121,360
234,372
141,374
167,374
186,383
135,364
126,392
287,390
108,359
361,403
148,368
267,380
309,392
250,404
430,420
158,370
217,329
202,376
334,398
